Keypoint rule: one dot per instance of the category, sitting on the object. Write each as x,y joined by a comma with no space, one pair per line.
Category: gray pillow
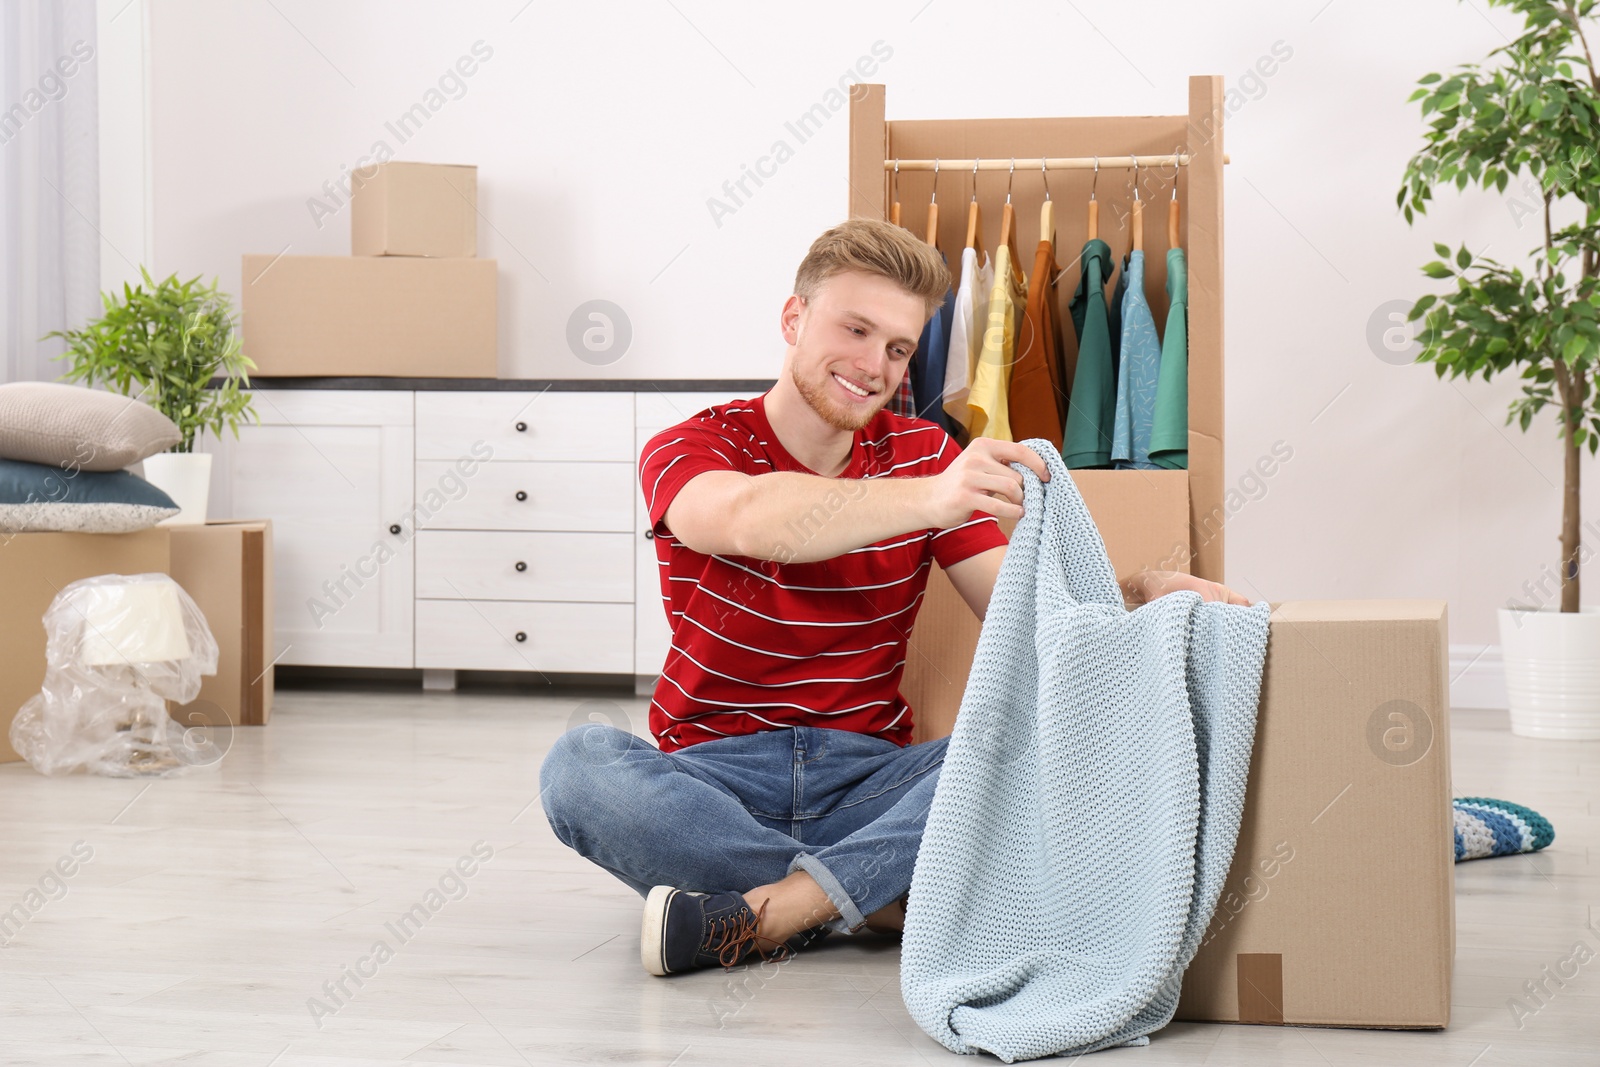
75,427
36,498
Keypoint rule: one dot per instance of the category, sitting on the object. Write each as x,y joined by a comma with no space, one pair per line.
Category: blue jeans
738,812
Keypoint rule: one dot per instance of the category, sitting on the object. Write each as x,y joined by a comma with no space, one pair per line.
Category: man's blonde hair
873,246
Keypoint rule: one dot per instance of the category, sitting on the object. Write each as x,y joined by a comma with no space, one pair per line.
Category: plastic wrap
117,648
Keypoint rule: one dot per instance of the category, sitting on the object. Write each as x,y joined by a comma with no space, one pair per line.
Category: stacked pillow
62,453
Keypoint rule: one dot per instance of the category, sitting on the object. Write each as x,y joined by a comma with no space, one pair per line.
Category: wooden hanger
1047,213
1008,227
974,226
1094,205
894,194
1138,210
1172,208
933,208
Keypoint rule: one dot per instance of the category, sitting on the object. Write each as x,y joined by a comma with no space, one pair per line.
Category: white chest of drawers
460,530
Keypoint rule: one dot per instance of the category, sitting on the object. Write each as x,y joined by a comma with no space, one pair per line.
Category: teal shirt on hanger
1091,410
1138,365
1169,433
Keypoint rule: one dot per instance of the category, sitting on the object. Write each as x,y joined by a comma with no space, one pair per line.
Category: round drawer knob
522,427
649,535
395,529
521,636
521,566
521,495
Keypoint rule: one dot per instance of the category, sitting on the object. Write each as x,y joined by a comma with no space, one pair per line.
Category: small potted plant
1532,119
164,343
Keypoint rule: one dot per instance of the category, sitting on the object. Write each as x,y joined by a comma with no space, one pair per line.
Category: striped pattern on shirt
758,645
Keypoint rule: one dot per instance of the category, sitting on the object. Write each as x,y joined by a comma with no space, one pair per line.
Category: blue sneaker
684,930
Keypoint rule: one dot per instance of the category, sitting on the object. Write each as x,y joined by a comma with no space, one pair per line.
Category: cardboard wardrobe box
34,568
226,567
414,209
369,316
1339,908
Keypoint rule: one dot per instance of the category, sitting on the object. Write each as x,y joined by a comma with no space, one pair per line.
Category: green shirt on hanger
1169,432
1092,404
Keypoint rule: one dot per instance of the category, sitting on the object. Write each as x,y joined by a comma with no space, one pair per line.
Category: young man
795,534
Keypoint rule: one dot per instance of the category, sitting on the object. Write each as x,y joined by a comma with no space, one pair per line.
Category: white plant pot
1552,663
186,478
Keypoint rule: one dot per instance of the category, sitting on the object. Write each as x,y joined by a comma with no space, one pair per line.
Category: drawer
655,411
555,496
482,635
553,425
499,565
333,407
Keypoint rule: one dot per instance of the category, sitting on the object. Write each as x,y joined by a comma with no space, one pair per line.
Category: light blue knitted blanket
1087,809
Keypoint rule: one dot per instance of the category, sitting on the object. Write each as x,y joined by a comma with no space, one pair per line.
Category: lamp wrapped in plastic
117,648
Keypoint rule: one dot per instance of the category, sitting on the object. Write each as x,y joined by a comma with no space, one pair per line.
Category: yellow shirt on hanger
991,381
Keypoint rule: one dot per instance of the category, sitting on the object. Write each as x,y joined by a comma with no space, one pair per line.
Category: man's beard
831,411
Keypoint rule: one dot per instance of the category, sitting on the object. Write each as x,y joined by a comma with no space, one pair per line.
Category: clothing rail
1053,163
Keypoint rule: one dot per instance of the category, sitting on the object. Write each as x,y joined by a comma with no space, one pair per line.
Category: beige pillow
74,426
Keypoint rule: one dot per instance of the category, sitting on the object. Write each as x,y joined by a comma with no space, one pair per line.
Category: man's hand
981,479
1145,586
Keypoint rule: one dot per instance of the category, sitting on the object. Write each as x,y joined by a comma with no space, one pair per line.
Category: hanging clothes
967,322
1092,413
1036,398
928,364
1114,316
1139,364
991,380
904,402
1169,432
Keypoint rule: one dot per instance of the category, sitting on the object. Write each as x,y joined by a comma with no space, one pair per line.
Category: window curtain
49,180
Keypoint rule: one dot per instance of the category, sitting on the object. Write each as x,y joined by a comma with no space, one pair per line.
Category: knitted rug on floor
1486,827
1087,809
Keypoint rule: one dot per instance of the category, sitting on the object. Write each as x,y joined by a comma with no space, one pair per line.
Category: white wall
601,130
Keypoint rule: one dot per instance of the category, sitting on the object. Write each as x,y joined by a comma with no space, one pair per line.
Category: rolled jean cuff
850,917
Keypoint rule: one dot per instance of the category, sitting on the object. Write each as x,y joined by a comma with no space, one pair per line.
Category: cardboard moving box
226,567
34,568
370,316
1339,909
414,209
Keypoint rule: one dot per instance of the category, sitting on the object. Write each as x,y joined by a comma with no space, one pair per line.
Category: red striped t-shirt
759,645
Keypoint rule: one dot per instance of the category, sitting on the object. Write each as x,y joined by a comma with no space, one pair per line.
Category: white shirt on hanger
970,312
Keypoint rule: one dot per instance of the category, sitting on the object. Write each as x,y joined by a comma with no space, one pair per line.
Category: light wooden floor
216,906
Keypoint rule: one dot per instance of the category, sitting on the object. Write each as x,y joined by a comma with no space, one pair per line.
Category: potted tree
1533,118
164,342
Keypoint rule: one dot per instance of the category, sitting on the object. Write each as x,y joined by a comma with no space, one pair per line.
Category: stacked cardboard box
412,301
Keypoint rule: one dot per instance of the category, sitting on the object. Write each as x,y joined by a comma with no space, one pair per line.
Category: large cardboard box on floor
1339,909
414,209
369,316
34,567
226,567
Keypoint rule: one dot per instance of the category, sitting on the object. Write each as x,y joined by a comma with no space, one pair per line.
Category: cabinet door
332,469
654,412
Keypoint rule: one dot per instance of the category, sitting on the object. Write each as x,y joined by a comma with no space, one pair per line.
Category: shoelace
731,934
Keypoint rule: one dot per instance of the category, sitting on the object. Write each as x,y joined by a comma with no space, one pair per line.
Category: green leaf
1463,258
1437,270
1441,249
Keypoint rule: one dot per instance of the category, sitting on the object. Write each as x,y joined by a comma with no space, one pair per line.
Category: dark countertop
513,385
